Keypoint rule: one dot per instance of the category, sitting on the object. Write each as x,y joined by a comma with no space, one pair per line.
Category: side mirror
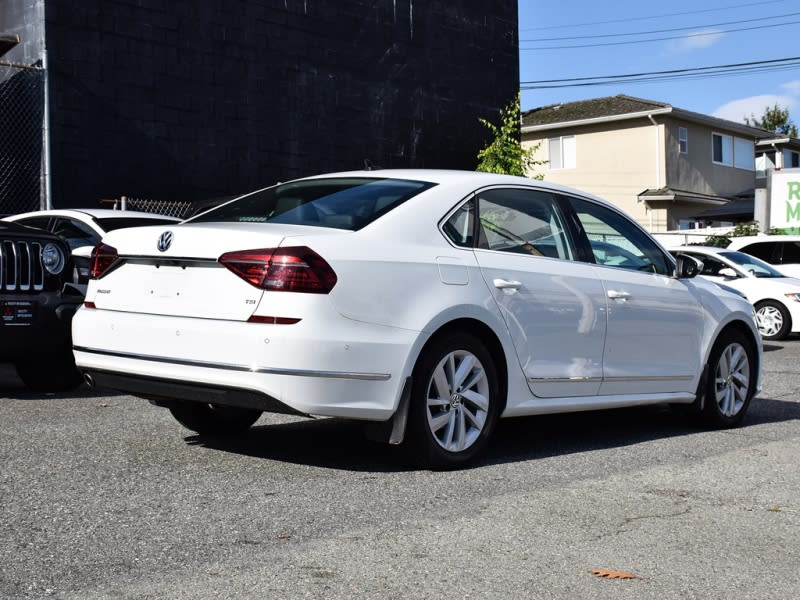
687,266
728,273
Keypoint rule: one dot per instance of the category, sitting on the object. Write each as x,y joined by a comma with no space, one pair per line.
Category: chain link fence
169,208
21,138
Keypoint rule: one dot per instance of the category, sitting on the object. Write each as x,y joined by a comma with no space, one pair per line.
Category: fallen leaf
612,574
774,508
104,405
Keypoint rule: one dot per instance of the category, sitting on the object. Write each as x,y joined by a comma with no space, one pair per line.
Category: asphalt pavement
106,496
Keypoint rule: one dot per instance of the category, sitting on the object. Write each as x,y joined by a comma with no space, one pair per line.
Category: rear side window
340,203
112,223
523,222
763,250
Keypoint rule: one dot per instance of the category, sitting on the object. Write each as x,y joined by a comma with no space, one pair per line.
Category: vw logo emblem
164,241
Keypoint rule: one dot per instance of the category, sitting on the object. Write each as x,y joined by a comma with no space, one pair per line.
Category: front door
655,325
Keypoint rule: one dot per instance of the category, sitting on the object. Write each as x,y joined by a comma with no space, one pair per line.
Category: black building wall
184,100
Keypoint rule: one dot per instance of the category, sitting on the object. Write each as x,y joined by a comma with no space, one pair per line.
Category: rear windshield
112,223
340,203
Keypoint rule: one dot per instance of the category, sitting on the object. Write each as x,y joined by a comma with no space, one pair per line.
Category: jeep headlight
53,258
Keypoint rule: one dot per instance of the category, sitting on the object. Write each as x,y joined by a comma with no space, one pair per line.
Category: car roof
705,249
473,179
96,213
749,239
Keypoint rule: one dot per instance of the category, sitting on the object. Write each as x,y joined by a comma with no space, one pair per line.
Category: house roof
619,108
741,208
668,194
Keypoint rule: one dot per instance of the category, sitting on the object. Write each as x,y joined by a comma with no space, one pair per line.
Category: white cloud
694,41
737,110
792,87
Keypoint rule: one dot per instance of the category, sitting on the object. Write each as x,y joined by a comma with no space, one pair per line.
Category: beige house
661,164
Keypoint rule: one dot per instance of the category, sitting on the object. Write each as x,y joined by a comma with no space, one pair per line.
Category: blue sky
702,35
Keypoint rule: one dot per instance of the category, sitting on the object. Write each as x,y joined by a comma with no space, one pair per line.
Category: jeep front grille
21,266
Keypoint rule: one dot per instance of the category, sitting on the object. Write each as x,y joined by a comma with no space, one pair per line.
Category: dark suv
37,301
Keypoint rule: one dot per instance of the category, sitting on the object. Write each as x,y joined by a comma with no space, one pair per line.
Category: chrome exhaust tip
88,379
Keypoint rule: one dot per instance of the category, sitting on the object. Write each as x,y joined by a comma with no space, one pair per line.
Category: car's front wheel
773,320
731,380
454,403
214,419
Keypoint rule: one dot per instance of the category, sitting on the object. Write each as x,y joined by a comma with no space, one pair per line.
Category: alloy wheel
732,380
458,400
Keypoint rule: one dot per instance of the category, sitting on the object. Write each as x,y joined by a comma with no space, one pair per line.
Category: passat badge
164,241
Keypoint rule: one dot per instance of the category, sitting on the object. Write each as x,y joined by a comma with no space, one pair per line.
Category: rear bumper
164,392
350,369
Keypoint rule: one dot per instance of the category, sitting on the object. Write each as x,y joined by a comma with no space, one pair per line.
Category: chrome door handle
615,295
507,284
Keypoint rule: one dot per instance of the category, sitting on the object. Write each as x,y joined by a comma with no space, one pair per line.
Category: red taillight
292,269
103,256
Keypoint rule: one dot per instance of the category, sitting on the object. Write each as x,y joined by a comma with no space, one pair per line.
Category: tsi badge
164,241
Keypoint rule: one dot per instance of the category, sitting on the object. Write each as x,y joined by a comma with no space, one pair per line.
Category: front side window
791,252
561,152
523,222
618,242
340,203
683,140
791,160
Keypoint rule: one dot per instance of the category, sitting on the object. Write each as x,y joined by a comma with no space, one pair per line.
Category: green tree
774,119
505,154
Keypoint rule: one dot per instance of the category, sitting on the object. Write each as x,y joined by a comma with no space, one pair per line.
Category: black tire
214,419
448,432
51,372
773,320
730,382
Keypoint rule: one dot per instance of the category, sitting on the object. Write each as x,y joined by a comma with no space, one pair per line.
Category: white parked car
781,251
430,303
776,298
86,226
83,228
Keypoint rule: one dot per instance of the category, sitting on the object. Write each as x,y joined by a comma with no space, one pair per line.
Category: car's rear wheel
731,380
214,419
454,403
773,320
49,372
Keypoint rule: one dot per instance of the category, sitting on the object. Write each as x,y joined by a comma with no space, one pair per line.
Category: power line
613,35
710,72
676,14
659,39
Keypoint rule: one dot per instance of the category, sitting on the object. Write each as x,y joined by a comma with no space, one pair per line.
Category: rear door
553,305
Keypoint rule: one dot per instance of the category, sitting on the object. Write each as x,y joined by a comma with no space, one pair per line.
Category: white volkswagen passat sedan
430,303
775,296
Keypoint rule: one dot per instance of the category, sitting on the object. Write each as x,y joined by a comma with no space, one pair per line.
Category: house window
744,154
732,152
561,151
722,149
791,160
683,140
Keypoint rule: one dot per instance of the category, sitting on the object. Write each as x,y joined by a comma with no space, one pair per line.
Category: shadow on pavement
339,444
